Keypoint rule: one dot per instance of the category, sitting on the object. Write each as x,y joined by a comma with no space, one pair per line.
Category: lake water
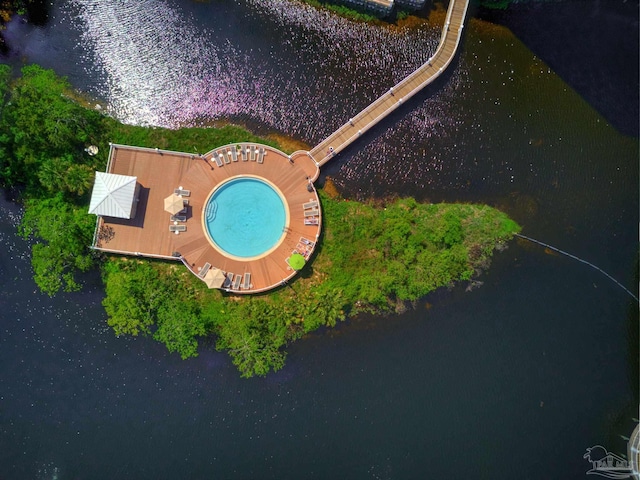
514,379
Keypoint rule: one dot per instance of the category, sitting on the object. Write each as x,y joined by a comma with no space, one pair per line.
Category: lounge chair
182,192
247,281
234,154
218,158
261,154
236,282
306,241
243,151
312,221
203,271
252,157
178,218
177,228
311,213
311,204
228,281
305,250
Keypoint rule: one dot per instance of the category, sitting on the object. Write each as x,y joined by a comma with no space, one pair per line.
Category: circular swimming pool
245,217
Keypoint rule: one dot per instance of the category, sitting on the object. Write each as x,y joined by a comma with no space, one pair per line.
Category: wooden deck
160,172
396,95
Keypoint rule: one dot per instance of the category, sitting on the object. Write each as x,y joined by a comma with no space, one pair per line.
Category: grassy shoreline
372,257
344,11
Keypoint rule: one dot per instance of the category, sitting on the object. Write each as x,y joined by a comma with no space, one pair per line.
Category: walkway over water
407,88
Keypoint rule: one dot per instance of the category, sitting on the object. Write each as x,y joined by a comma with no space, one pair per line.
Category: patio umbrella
214,278
296,261
173,204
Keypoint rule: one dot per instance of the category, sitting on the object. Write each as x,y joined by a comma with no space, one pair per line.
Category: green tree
152,299
133,295
64,174
61,234
179,325
5,78
253,342
42,125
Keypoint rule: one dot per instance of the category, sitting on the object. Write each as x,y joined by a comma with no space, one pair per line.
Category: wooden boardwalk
412,84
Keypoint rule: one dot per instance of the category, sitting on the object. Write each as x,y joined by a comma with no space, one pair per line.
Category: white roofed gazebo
114,195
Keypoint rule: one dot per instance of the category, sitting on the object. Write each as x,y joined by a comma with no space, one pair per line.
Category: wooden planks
160,173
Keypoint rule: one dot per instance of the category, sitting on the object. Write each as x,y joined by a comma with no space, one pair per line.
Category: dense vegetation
353,12
370,258
341,9
44,132
22,7
496,4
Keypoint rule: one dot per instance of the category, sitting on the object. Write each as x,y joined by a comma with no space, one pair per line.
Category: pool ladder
211,211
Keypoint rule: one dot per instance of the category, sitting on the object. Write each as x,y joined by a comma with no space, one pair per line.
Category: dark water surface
605,34
511,380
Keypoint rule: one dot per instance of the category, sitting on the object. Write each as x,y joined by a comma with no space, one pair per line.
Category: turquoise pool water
245,217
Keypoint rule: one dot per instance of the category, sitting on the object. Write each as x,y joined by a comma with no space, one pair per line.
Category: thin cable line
580,260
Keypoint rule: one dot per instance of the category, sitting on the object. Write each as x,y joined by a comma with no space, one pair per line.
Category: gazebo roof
113,195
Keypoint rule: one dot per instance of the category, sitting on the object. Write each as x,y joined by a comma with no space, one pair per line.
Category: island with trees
378,256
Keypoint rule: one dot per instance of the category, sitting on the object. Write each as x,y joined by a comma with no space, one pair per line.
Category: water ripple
164,67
